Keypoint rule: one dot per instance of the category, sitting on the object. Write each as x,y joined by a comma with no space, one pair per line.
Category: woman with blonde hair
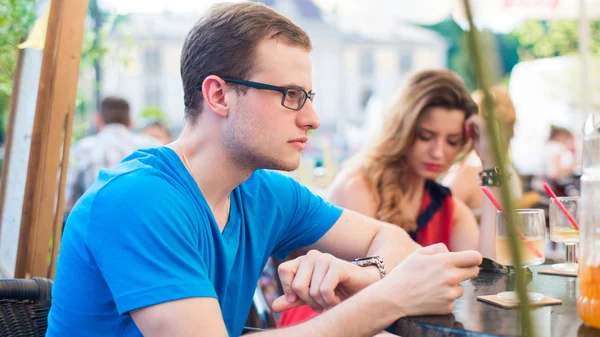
425,130
393,180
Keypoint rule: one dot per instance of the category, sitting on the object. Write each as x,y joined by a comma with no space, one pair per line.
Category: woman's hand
475,128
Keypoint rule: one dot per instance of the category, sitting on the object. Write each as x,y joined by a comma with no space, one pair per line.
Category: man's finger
301,282
468,273
287,272
281,304
330,282
321,268
466,258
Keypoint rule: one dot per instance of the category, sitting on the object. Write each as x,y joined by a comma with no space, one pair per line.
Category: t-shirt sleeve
308,216
145,243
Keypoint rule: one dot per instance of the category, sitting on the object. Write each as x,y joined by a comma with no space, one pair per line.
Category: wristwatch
371,261
493,177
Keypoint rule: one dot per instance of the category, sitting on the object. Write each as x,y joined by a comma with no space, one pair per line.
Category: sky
423,11
125,6
493,14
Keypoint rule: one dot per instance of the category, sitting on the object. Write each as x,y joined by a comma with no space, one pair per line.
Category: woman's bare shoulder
350,190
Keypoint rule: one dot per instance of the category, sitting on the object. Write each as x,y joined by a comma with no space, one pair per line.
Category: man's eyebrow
294,85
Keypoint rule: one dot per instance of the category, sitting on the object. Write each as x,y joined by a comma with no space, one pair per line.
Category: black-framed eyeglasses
292,98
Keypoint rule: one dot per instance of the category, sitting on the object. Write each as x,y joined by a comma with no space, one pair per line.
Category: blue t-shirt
143,234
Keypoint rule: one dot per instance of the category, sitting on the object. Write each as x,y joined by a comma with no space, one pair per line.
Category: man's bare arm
432,274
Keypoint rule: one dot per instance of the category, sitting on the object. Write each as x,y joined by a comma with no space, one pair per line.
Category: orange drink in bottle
588,303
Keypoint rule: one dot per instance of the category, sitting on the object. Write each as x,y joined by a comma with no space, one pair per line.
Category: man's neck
211,166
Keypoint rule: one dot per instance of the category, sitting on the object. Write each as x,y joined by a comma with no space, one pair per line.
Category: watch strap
371,261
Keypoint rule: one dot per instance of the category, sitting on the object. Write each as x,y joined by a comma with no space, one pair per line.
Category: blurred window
405,62
367,63
152,61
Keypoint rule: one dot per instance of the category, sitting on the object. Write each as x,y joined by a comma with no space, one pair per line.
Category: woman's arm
465,233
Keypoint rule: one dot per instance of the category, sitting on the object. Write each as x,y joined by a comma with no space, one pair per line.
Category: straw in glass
561,206
496,203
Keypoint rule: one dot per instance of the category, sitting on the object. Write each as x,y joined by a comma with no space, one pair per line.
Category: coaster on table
552,271
493,299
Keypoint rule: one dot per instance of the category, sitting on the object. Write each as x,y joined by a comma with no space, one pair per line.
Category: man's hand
319,280
428,280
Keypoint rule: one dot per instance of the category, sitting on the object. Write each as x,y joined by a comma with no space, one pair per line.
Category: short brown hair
114,110
504,108
556,130
223,43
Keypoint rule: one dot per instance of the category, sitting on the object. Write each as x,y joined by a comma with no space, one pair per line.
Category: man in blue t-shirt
172,241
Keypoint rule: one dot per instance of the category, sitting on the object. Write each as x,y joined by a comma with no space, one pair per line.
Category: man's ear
214,90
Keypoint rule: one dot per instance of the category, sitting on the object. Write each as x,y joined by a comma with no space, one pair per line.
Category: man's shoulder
141,174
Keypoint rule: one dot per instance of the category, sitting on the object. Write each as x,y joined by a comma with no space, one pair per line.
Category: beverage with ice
567,235
530,227
563,230
528,256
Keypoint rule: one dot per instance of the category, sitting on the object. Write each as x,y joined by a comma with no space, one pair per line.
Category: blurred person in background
113,142
557,166
158,130
393,180
558,161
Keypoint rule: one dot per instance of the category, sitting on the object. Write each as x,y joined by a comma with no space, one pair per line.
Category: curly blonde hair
383,163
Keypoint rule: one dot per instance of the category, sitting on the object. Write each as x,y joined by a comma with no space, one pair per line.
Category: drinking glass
530,225
561,230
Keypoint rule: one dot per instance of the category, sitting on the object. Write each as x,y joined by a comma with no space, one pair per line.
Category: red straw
496,203
493,199
561,206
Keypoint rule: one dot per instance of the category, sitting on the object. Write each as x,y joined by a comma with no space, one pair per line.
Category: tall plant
484,83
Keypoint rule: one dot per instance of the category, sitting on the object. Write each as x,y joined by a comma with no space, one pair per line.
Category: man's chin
288,164
288,167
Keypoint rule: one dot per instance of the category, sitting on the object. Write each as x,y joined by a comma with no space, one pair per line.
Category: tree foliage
16,19
459,60
539,39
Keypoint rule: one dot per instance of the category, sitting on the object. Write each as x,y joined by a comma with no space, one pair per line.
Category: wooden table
471,317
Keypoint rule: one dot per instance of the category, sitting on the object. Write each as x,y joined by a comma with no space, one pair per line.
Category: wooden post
51,136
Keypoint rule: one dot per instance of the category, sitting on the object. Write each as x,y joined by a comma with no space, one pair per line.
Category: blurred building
349,68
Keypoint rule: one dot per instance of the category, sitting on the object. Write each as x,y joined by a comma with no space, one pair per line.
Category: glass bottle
588,303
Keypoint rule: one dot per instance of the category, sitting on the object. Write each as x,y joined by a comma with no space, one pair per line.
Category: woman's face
439,138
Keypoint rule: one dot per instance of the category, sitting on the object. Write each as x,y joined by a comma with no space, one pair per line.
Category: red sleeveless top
434,225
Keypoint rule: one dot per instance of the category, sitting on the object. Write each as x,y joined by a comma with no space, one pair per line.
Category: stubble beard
248,149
